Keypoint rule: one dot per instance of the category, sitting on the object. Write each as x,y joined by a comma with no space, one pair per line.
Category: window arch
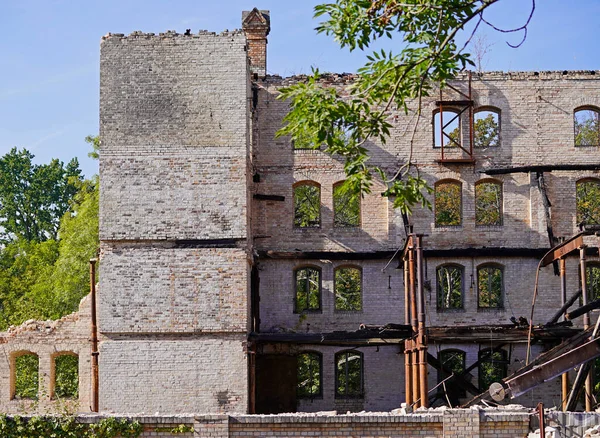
348,288
65,375
490,286
346,206
587,195
493,367
310,372
488,202
448,203
25,368
448,135
453,360
349,381
486,128
586,126
307,204
307,282
450,287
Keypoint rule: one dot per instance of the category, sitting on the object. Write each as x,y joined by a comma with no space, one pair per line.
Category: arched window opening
453,362
307,205
66,376
588,202
346,206
449,287
349,374
488,203
489,287
448,203
309,375
587,127
486,129
348,289
493,367
26,367
308,289
449,133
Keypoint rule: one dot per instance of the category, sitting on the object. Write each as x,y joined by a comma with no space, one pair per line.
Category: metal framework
461,106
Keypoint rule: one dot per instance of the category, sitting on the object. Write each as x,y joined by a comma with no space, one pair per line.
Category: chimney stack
256,25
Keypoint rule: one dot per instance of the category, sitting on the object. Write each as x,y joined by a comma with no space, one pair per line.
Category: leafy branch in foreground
321,115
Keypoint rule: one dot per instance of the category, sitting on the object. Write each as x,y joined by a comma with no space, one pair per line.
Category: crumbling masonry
234,279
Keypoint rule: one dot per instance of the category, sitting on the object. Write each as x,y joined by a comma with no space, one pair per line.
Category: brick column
256,25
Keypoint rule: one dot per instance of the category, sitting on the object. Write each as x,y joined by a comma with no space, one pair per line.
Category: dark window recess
349,374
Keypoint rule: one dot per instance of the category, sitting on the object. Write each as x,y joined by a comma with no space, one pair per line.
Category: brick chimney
256,25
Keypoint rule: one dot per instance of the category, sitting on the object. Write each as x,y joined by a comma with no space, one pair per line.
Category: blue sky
49,54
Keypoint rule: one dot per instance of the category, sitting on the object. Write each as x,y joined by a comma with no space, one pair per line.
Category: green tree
587,128
588,202
448,204
429,55
307,205
486,130
34,197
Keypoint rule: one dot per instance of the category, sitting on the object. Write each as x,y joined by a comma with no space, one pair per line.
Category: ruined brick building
235,274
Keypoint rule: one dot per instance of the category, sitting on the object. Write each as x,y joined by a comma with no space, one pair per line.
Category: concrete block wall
47,339
173,311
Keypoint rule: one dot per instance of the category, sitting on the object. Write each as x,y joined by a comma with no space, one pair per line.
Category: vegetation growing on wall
67,427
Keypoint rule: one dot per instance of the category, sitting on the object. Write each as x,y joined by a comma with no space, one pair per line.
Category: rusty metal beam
563,249
583,309
458,378
564,308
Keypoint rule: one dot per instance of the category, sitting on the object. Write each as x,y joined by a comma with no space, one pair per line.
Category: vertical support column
413,311
586,324
407,343
563,299
421,336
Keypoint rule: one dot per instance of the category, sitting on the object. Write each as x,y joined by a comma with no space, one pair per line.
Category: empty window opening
488,203
346,206
588,202
449,287
66,376
448,203
309,375
587,128
349,374
493,367
26,376
348,289
308,289
593,280
453,361
449,133
307,205
486,129
489,287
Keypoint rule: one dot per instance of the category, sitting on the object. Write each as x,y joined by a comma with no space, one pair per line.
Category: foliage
348,289
449,287
181,428
46,278
67,427
308,289
27,376
346,206
486,130
593,281
492,369
489,287
66,368
488,203
588,202
94,141
34,197
307,206
348,374
587,128
448,204
309,375
344,124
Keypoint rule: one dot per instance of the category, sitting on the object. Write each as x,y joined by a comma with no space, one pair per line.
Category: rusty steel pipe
586,324
407,343
94,338
563,300
416,395
421,336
